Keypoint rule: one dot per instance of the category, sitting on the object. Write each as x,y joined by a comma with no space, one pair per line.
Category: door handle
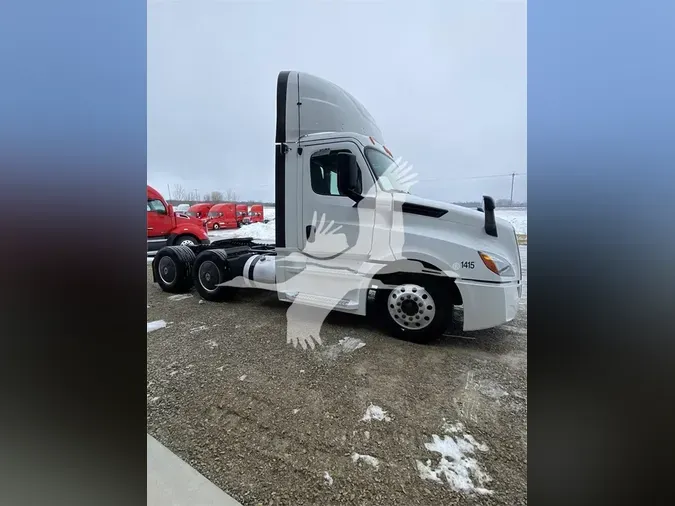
149,228
309,229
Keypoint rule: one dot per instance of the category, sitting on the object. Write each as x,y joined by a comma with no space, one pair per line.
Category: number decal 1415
468,265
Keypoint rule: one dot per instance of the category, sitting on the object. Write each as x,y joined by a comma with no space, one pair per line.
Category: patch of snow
242,377
295,411
202,301
198,329
150,259
491,389
350,344
517,218
452,427
457,465
263,232
156,325
371,461
328,479
180,296
375,413
173,373
344,345
154,399
302,371
212,344
367,434
221,368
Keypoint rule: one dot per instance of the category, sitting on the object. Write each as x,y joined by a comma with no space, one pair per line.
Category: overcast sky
444,79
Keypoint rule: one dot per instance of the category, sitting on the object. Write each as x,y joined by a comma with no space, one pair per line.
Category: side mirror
348,176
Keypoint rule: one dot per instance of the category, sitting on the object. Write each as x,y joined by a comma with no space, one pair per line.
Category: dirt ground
271,424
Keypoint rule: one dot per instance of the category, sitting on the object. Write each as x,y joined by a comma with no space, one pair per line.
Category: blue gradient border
73,162
600,157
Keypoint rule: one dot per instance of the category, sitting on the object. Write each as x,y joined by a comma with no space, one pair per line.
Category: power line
512,174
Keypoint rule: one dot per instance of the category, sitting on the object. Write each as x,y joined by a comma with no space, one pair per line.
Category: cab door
159,224
352,240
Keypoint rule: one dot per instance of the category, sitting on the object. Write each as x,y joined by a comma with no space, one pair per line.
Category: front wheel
216,226
186,240
416,310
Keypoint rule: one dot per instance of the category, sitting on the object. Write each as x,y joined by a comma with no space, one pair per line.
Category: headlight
496,264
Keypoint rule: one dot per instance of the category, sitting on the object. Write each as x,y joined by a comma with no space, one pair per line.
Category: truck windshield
214,214
381,163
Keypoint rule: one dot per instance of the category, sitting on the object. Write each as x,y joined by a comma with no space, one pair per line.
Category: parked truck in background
408,260
200,210
222,216
256,213
242,215
168,228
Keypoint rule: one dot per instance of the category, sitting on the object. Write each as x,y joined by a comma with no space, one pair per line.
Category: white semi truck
407,260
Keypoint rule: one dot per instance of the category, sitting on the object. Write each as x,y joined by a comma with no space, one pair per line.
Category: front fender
197,232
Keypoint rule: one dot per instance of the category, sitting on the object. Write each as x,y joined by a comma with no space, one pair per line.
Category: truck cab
256,213
242,214
222,216
331,160
168,228
351,237
200,210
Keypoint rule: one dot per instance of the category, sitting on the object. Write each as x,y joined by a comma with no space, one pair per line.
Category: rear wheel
216,226
172,268
210,270
416,309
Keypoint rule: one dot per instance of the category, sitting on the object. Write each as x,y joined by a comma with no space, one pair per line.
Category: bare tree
231,196
178,192
216,196
206,197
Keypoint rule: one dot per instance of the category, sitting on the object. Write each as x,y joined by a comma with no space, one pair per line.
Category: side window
323,173
157,206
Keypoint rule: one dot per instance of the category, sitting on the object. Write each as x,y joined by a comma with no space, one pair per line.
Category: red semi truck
256,213
168,228
222,216
200,210
242,215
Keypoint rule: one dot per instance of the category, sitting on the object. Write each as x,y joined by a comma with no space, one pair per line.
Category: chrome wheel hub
411,306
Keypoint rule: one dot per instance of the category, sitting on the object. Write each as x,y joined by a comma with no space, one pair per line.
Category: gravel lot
271,424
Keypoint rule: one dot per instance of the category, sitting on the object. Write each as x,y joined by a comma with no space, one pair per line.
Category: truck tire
186,240
418,309
172,268
210,269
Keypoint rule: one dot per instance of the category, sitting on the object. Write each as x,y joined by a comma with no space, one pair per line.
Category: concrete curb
172,481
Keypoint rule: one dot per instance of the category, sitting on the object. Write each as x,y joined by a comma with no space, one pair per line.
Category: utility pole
513,177
169,188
